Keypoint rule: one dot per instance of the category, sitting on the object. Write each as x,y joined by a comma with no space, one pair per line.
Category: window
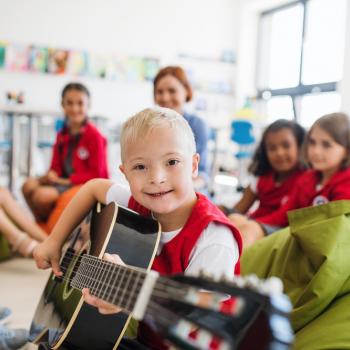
301,59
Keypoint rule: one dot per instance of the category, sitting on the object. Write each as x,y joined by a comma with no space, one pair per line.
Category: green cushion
312,257
5,251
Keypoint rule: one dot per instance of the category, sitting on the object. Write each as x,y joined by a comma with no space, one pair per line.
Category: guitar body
62,320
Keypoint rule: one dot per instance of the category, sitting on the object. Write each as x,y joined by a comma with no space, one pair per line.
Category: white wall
160,28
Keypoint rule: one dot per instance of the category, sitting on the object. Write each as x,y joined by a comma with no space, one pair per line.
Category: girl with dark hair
327,151
79,154
276,166
172,90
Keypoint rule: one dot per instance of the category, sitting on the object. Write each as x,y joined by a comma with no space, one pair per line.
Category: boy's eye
139,167
173,162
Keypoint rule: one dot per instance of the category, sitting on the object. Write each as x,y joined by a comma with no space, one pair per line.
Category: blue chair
5,145
242,135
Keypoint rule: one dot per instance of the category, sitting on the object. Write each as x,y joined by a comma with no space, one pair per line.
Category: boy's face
160,171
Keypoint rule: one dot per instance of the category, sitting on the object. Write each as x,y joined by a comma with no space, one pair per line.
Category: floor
21,284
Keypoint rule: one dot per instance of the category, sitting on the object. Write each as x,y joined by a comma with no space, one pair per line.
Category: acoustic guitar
254,314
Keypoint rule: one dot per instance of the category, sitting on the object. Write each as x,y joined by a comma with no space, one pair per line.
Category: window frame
301,89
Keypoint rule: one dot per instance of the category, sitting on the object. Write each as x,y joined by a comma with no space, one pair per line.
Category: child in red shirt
79,154
327,151
276,167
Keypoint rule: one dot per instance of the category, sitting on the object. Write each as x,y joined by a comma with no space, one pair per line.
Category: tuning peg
273,285
224,346
183,328
238,281
204,339
253,282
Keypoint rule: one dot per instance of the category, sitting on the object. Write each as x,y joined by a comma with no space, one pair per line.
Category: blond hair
139,125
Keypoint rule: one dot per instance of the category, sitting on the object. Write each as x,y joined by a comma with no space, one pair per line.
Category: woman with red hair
172,89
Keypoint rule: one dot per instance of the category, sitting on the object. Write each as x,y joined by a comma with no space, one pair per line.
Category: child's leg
18,240
44,199
238,219
251,231
19,215
28,189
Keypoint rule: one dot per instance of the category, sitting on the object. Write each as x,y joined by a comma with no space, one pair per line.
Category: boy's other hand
103,307
47,254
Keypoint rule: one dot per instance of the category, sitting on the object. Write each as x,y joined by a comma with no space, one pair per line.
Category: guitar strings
105,262
64,267
117,292
234,283
161,289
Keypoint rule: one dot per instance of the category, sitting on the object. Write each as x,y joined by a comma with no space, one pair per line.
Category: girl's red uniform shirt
89,157
272,195
307,193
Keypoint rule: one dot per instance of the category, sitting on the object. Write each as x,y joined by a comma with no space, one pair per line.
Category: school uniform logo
83,153
284,200
318,200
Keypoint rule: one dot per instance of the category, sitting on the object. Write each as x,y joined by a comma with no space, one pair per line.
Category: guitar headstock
201,313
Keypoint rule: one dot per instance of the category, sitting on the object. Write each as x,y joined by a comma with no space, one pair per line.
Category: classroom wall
160,28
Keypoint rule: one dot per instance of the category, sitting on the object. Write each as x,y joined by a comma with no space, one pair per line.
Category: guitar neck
121,285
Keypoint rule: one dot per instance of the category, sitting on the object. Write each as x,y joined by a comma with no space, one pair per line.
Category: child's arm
247,200
243,205
48,253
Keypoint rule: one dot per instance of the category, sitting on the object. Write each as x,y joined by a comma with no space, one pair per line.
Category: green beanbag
5,251
312,257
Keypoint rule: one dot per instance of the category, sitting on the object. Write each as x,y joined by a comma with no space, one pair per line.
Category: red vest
175,254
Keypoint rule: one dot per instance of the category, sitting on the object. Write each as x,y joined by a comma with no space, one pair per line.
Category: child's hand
103,307
47,254
52,177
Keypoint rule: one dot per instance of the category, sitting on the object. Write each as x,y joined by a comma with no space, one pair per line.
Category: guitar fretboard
117,284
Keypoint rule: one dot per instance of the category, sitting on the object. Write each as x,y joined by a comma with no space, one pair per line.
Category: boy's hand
47,254
103,307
